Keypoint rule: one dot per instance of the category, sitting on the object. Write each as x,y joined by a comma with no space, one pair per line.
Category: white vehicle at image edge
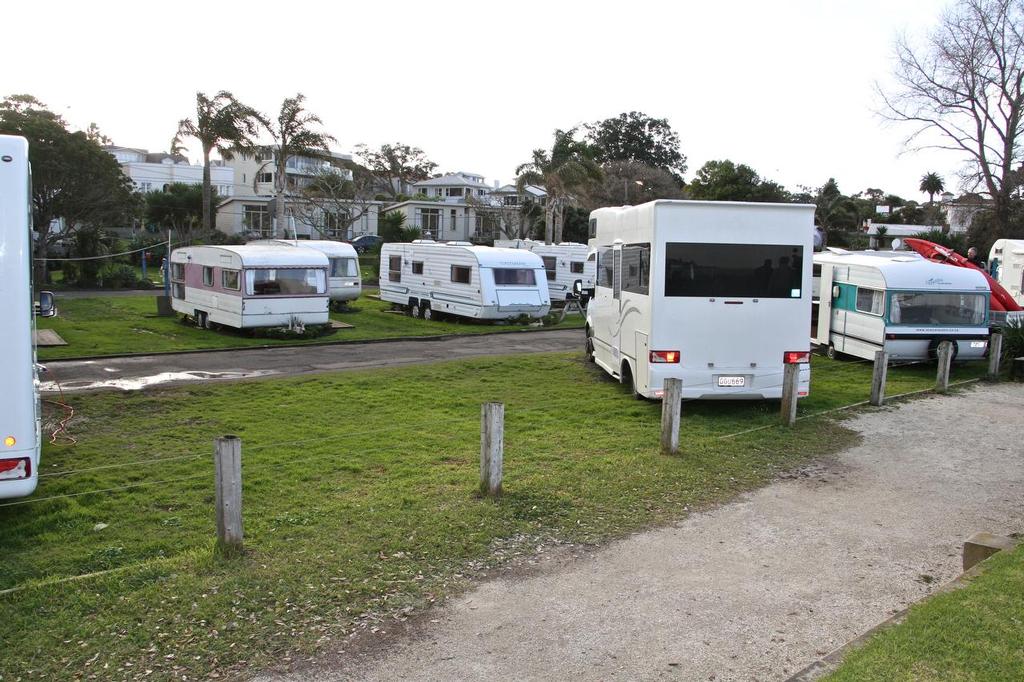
250,286
717,294
457,278
20,415
899,302
564,264
344,282
1006,265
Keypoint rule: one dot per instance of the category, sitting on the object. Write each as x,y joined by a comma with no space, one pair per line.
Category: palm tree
569,168
222,123
931,184
294,134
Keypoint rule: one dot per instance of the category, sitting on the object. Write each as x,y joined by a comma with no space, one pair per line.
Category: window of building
145,187
636,268
430,220
461,274
394,268
576,267
514,277
550,266
455,191
177,272
265,177
870,301
511,200
738,270
229,279
267,155
256,218
417,267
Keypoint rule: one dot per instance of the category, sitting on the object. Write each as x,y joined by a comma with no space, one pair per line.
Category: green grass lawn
974,633
359,497
128,324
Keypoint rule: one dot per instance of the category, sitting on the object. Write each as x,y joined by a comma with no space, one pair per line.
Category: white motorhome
20,437
344,282
254,285
457,278
564,264
898,302
1006,265
716,294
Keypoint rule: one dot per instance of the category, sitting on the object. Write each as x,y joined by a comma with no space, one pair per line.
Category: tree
961,90
635,136
396,165
72,177
632,182
295,134
178,208
222,123
726,181
931,184
566,172
834,211
332,203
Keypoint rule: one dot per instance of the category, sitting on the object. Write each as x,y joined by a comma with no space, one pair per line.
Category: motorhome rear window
394,268
946,309
514,277
550,265
737,270
344,267
285,281
461,274
229,279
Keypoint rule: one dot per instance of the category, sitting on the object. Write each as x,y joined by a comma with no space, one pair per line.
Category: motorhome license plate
732,381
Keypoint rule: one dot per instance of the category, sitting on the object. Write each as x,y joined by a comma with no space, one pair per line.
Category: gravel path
753,590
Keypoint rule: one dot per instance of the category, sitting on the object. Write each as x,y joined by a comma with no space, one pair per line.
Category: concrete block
981,546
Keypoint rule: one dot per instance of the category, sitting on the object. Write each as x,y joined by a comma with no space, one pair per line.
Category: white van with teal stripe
899,302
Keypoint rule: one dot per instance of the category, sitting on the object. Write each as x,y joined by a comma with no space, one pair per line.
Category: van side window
576,267
417,267
207,276
604,268
394,268
229,279
616,274
870,301
636,268
593,227
550,263
460,274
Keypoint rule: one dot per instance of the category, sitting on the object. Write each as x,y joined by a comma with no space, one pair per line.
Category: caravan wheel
831,352
425,312
588,346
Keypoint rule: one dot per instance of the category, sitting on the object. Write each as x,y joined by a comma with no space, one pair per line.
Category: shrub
120,276
1013,341
957,242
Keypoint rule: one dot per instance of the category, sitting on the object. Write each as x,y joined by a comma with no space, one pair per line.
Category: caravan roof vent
456,243
906,259
837,251
423,241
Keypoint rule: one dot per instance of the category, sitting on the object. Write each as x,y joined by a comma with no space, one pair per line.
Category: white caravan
457,278
898,302
19,401
255,285
343,280
1006,265
564,264
717,294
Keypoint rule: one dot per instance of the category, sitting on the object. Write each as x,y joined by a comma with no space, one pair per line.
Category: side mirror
45,307
577,287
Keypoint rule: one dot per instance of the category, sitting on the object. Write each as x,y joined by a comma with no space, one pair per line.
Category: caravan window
576,267
636,268
229,279
870,301
461,274
514,277
394,268
207,276
417,267
178,271
604,268
550,265
285,281
920,308
344,267
740,270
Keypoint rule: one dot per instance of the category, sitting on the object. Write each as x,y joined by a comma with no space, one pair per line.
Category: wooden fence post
227,462
492,447
995,352
945,356
671,407
878,377
790,391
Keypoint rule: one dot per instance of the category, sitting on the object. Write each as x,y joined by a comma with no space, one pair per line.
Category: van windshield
285,281
344,267
739,270
934,308
514,277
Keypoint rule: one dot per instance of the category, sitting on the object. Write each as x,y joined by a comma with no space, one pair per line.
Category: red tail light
796,357
670,356
15,468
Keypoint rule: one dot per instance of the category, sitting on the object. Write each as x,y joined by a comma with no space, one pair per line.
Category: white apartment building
255,174
153,172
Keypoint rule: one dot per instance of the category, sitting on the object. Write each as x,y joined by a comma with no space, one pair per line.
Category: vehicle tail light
11,469
796,357
661,356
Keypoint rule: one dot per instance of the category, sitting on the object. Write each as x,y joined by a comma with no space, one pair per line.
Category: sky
787,87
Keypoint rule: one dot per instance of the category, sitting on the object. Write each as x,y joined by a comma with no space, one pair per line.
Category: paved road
753,590
142,371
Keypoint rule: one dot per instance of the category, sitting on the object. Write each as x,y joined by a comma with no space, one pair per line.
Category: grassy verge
128,324
359,498
974,633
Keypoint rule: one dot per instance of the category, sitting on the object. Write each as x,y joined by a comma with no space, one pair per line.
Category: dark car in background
367,242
